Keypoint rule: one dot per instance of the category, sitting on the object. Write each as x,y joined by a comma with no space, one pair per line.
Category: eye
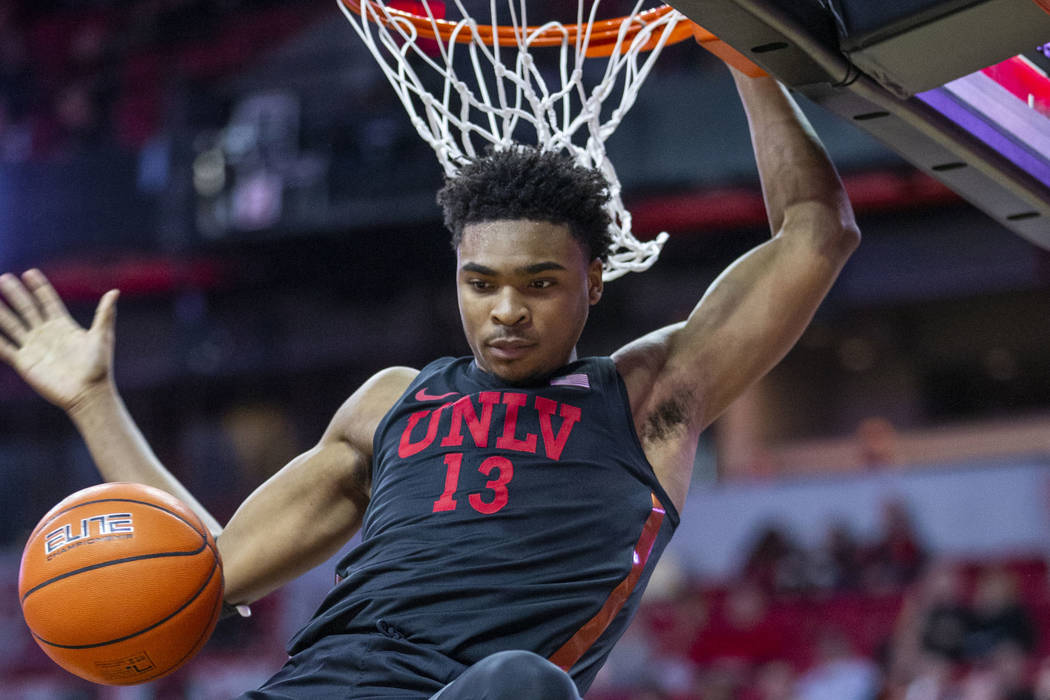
541,284
480,285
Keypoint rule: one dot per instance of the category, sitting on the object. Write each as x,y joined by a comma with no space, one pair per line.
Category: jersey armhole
627,421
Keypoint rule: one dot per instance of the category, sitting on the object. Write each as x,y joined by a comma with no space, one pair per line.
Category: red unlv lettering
484,431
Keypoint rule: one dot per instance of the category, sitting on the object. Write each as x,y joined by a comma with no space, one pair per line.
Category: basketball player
514,502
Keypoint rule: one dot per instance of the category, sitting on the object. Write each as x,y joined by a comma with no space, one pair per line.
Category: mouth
509,348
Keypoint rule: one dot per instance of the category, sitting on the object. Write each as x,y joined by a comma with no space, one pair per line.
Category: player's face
525,289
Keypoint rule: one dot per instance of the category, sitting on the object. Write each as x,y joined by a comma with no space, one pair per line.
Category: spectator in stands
946,621
835,564
776,563
998,616
897,557
930,634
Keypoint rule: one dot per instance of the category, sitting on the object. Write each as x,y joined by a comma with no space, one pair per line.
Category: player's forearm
120,451
793,166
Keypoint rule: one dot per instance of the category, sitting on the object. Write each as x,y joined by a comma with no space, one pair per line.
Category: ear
594,281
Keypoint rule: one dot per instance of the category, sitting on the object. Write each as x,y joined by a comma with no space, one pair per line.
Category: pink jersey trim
572,650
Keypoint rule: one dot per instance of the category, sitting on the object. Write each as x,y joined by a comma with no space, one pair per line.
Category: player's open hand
61,360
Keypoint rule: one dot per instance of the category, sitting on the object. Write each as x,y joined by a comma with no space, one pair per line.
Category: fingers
19,299
49,302
11,329
11,325
106,312
32,300
7,351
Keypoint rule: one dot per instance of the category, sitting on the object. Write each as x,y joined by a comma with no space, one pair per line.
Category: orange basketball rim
602,36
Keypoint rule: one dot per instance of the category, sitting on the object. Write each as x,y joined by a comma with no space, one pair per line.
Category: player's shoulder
381,391
390,380
358,416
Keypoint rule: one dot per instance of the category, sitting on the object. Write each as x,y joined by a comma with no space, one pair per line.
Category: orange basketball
120,583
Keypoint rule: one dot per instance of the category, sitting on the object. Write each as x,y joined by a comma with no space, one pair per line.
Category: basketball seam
201,640
197,646
125,560
211,575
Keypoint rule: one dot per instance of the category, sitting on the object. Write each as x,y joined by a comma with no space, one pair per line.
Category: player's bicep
294,521
750,317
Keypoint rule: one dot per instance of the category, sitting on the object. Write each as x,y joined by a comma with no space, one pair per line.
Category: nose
509,309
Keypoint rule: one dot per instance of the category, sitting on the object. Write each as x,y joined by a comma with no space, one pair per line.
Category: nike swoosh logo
422,395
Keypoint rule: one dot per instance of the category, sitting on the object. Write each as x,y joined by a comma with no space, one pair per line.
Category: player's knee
522,674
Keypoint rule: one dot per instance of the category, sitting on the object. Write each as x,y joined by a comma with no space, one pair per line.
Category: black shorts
360,667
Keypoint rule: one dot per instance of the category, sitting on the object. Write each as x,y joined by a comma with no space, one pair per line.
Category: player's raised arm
294,521
681,378
71,367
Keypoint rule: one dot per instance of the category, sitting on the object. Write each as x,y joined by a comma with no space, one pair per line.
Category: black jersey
505,517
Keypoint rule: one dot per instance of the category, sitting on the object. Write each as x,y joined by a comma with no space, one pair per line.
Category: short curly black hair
524,182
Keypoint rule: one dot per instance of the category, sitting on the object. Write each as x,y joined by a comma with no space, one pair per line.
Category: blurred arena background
874,517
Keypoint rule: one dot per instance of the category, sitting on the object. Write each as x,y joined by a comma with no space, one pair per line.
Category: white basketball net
504,90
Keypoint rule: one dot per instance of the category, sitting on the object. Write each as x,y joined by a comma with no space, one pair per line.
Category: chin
523,376
526,370
513,373
513,377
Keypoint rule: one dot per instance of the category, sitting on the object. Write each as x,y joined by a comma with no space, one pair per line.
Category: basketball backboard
957,87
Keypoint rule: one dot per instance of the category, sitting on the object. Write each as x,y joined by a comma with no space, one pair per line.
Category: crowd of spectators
77,76
967,635
847,621
842,562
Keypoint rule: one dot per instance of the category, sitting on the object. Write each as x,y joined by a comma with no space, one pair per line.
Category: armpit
669,418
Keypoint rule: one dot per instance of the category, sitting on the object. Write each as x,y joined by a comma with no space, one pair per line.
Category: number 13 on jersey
501,471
